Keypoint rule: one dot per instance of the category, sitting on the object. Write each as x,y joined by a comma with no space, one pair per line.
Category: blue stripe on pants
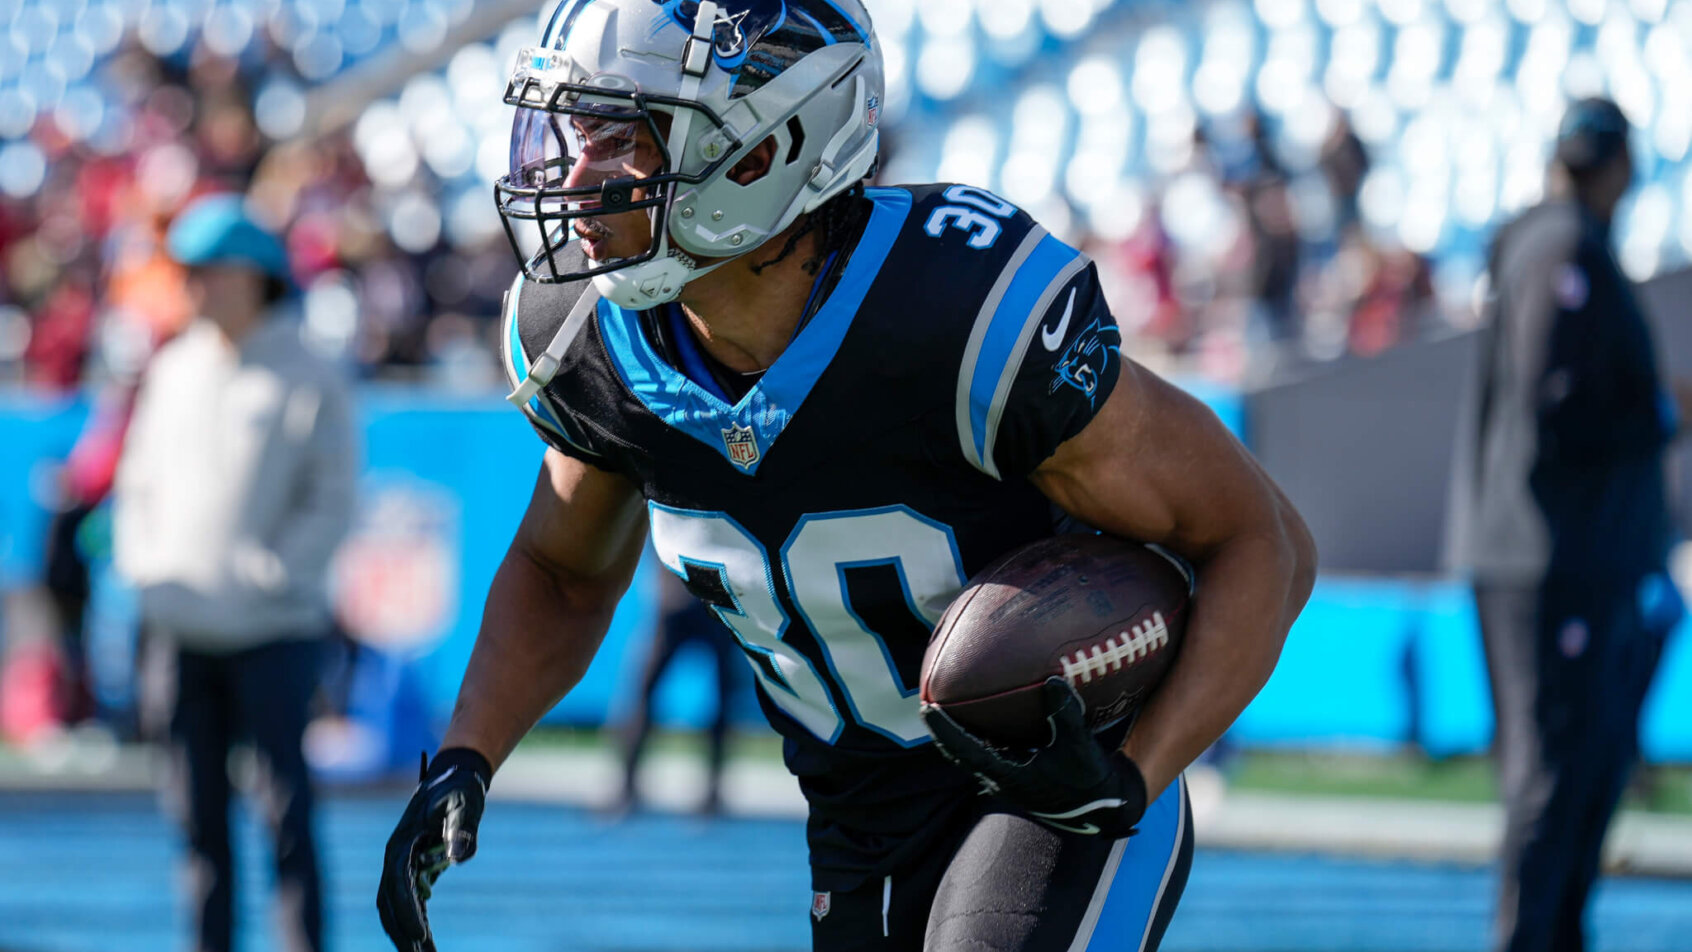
1142,880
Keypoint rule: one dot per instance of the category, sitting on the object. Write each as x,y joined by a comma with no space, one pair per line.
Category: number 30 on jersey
735,574
976,211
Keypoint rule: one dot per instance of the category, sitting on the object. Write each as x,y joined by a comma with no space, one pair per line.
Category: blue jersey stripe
998,346
688,353
518,362
772,402
544,413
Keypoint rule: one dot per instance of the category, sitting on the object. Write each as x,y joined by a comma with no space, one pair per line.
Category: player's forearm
539,632
1249,591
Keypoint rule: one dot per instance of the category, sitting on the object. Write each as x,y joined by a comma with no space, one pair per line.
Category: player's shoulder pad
541,323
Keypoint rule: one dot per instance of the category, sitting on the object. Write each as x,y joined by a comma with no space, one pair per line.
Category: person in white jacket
235,486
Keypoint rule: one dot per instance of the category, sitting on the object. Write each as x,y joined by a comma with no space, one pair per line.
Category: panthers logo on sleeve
1040,360
1084,363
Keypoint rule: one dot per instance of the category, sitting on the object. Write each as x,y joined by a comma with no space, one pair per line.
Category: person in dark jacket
1568,531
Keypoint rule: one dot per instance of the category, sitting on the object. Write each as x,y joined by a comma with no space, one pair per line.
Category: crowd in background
1262,294
86,293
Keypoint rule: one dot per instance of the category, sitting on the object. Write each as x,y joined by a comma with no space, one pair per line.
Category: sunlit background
1104,119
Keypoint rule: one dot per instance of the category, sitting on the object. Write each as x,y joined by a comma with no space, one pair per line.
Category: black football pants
1001,882
204,703
1570,663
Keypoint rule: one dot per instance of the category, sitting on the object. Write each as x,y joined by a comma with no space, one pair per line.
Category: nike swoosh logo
449,772
1103,803
1052,337
1086,828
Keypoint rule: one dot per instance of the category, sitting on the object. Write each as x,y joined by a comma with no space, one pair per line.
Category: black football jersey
833,512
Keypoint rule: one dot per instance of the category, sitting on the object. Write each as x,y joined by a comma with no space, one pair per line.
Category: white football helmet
727,75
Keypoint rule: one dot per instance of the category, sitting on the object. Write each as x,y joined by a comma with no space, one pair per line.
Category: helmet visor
591,161
582,174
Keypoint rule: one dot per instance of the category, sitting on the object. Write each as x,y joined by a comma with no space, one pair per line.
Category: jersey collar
743,433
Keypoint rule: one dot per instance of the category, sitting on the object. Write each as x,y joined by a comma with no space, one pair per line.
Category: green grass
1659,789
1405,775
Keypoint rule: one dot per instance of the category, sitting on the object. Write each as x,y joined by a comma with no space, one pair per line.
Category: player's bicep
585,526
1157,465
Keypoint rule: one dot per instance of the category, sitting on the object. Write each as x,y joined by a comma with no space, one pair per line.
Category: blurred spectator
236,484
685,620
1143,293
225,132
1262,186
1568,530
87,294
1344,164
1395,300
1377,297
63,332
84,482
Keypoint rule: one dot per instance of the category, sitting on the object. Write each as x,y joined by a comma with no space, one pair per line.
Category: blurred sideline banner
1374,662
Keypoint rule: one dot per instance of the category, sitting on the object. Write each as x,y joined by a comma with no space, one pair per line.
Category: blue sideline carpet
95,873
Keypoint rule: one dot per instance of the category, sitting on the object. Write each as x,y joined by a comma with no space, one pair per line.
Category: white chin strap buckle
645,285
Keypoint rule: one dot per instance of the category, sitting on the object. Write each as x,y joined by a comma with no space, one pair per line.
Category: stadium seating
1455,100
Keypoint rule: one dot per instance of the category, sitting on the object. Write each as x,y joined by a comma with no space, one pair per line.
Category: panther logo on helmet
780,35
731,32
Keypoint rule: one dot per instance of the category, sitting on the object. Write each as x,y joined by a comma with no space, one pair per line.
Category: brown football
1103,613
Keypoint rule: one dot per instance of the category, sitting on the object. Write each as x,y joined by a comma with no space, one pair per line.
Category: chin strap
545,367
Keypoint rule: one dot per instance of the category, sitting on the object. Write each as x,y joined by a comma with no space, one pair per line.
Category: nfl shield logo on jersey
742,446
820,902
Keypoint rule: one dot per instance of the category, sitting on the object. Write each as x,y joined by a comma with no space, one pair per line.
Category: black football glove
437,829
1071,784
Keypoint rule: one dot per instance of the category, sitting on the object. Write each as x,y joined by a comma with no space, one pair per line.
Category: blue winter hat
217,230
1592,132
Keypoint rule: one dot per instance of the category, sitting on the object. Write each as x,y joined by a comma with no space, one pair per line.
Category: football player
829,406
